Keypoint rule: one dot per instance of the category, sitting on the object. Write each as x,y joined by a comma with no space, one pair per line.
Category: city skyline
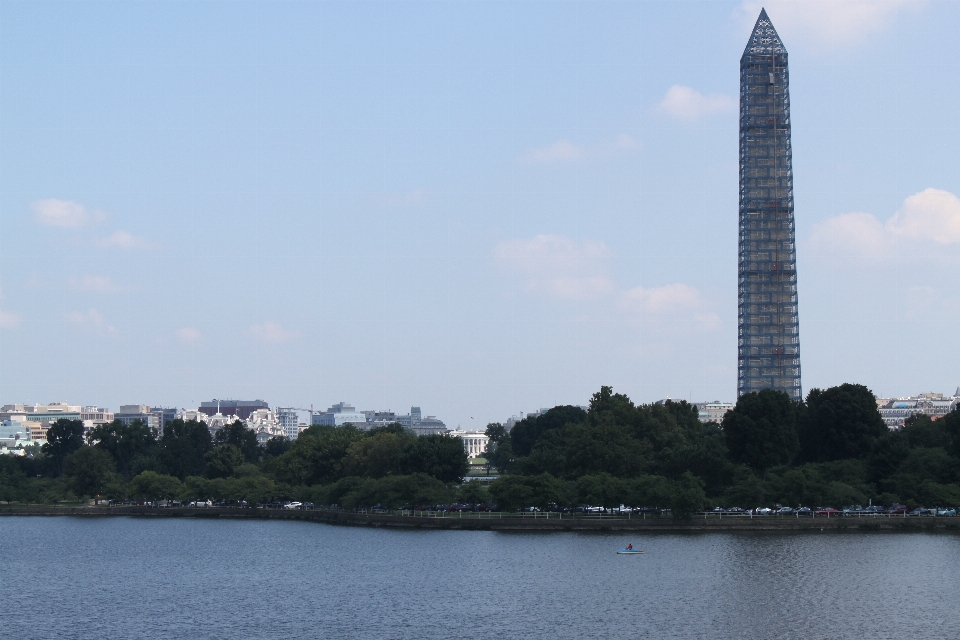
481,208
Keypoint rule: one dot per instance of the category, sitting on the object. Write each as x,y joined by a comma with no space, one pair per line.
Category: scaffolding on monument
769,338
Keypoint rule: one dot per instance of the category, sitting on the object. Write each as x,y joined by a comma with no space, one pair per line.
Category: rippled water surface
182,578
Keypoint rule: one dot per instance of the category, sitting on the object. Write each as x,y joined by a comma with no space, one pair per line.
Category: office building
240,408
769,337
339,415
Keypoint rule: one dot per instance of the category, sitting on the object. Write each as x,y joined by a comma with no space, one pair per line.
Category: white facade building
289,422
895,411
474,442
713,411
266,424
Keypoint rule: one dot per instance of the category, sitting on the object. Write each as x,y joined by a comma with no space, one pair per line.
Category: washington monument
769,330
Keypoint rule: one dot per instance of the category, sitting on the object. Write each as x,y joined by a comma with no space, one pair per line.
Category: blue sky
476,208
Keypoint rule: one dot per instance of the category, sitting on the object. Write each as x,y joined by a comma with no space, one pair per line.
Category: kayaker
630,547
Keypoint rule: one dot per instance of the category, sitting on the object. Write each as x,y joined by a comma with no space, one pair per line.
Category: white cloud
560,151
273,332
9,320
566,151
557,266
828,23
188,335
929,217
60,213
124,240
96,284
89,318
685,103
676,301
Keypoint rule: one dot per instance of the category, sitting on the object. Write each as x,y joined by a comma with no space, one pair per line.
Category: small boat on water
629,552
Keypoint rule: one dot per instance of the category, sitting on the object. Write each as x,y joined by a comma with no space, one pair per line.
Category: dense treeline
831,450
325,465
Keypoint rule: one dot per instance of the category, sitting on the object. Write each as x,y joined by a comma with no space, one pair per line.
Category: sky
477,208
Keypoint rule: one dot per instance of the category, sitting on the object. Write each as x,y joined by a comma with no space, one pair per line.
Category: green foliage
473,493
183,447
124,442
63,438
761,430
656,455
602,490
222,461
150,485
518,492
317,455
840,422
687,496
526,432
276,446
90,470
239,436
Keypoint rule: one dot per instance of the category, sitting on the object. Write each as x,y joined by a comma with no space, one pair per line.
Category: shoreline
508,523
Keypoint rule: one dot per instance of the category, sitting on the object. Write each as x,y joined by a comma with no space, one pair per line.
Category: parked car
785,511
804,511
826,511
919,511
897,510
763,511
947,512
851,510
292,505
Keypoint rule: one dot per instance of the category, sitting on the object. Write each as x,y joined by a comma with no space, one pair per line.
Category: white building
474,442
14,435
289,422
895,411
266,424
713,411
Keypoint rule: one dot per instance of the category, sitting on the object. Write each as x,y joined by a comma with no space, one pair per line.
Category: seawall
507,522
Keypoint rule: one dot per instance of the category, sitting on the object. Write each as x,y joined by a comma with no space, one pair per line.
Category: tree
687,496
183,447
473,493
150,485
276,446
841,422
518,492
380,455
761,430
951,424
525,433
316,456
90,469
496,434
238,435
63,438
442,457
222,461
124,442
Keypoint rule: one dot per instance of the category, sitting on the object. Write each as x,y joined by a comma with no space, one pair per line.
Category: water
184,578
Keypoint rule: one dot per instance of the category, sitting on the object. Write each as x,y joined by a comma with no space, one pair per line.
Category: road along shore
510,522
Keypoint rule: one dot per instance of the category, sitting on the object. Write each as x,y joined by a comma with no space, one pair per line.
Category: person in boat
630,547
